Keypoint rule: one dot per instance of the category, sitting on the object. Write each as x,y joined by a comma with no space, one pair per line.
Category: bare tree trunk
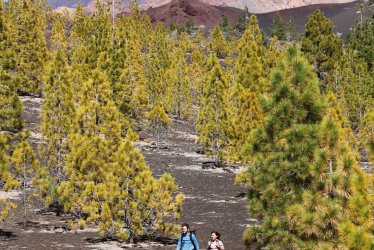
216,153
24,192
158,136
113,2
330,163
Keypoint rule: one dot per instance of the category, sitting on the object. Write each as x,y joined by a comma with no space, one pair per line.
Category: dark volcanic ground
212,202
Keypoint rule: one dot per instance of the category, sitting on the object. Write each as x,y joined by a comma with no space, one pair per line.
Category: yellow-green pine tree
129,92
96,114
334,111
10,105
137,199
350,87
157,63
179,85
100,37
30,45
213,122
249,116
249,84
57,114
321,46
6,176
78,51
335,210
96,136
367,133
158,121
273,54
24,165
195,73
58,34
218,44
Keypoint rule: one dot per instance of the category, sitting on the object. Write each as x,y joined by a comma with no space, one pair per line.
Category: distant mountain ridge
254,6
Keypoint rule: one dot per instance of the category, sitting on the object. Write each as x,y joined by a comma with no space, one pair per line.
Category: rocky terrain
264,6
180,11
212,202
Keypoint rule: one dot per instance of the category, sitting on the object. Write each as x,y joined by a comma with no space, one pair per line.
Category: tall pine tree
213,122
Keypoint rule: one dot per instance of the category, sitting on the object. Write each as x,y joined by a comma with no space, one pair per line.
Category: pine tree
196,73
278,28
218,44
305,181
348,82
335,113
30,45
159,122
248,117
57,114
273,54
139,199
97,114
25,164
248,67
241,25
199,40
10,105
367,133
213,122
129,91
157,63
249,84
225,23
6,176
108,182
282,150
180,85
185,43
335,211
91,145
58,36
100,39
80,27
122,31
321,46
78,51
361,38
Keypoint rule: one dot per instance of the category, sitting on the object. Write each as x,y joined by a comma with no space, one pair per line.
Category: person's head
214,235
185,228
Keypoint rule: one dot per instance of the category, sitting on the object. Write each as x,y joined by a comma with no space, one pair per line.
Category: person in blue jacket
187,240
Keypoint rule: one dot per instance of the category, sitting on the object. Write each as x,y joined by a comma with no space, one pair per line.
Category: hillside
180,11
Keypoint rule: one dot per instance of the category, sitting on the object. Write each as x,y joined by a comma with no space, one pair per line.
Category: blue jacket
184,242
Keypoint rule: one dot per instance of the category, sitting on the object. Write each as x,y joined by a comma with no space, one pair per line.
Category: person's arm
196,242
179,243
220,245
208,245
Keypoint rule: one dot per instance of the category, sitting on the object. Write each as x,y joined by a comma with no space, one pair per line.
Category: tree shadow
156,238
95,240
140,239
7,235
241,195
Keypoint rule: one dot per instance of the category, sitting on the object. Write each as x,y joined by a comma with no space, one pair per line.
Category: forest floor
213,201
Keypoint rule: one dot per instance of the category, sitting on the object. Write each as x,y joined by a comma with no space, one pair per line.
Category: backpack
193,243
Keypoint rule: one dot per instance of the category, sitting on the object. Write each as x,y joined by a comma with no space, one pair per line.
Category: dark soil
212,202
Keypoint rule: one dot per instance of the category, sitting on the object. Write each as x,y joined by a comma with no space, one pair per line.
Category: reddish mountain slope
179,12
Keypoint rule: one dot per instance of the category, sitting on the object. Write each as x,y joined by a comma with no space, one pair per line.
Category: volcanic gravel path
212,202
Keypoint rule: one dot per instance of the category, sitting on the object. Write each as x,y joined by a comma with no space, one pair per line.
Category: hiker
187,240
215,242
